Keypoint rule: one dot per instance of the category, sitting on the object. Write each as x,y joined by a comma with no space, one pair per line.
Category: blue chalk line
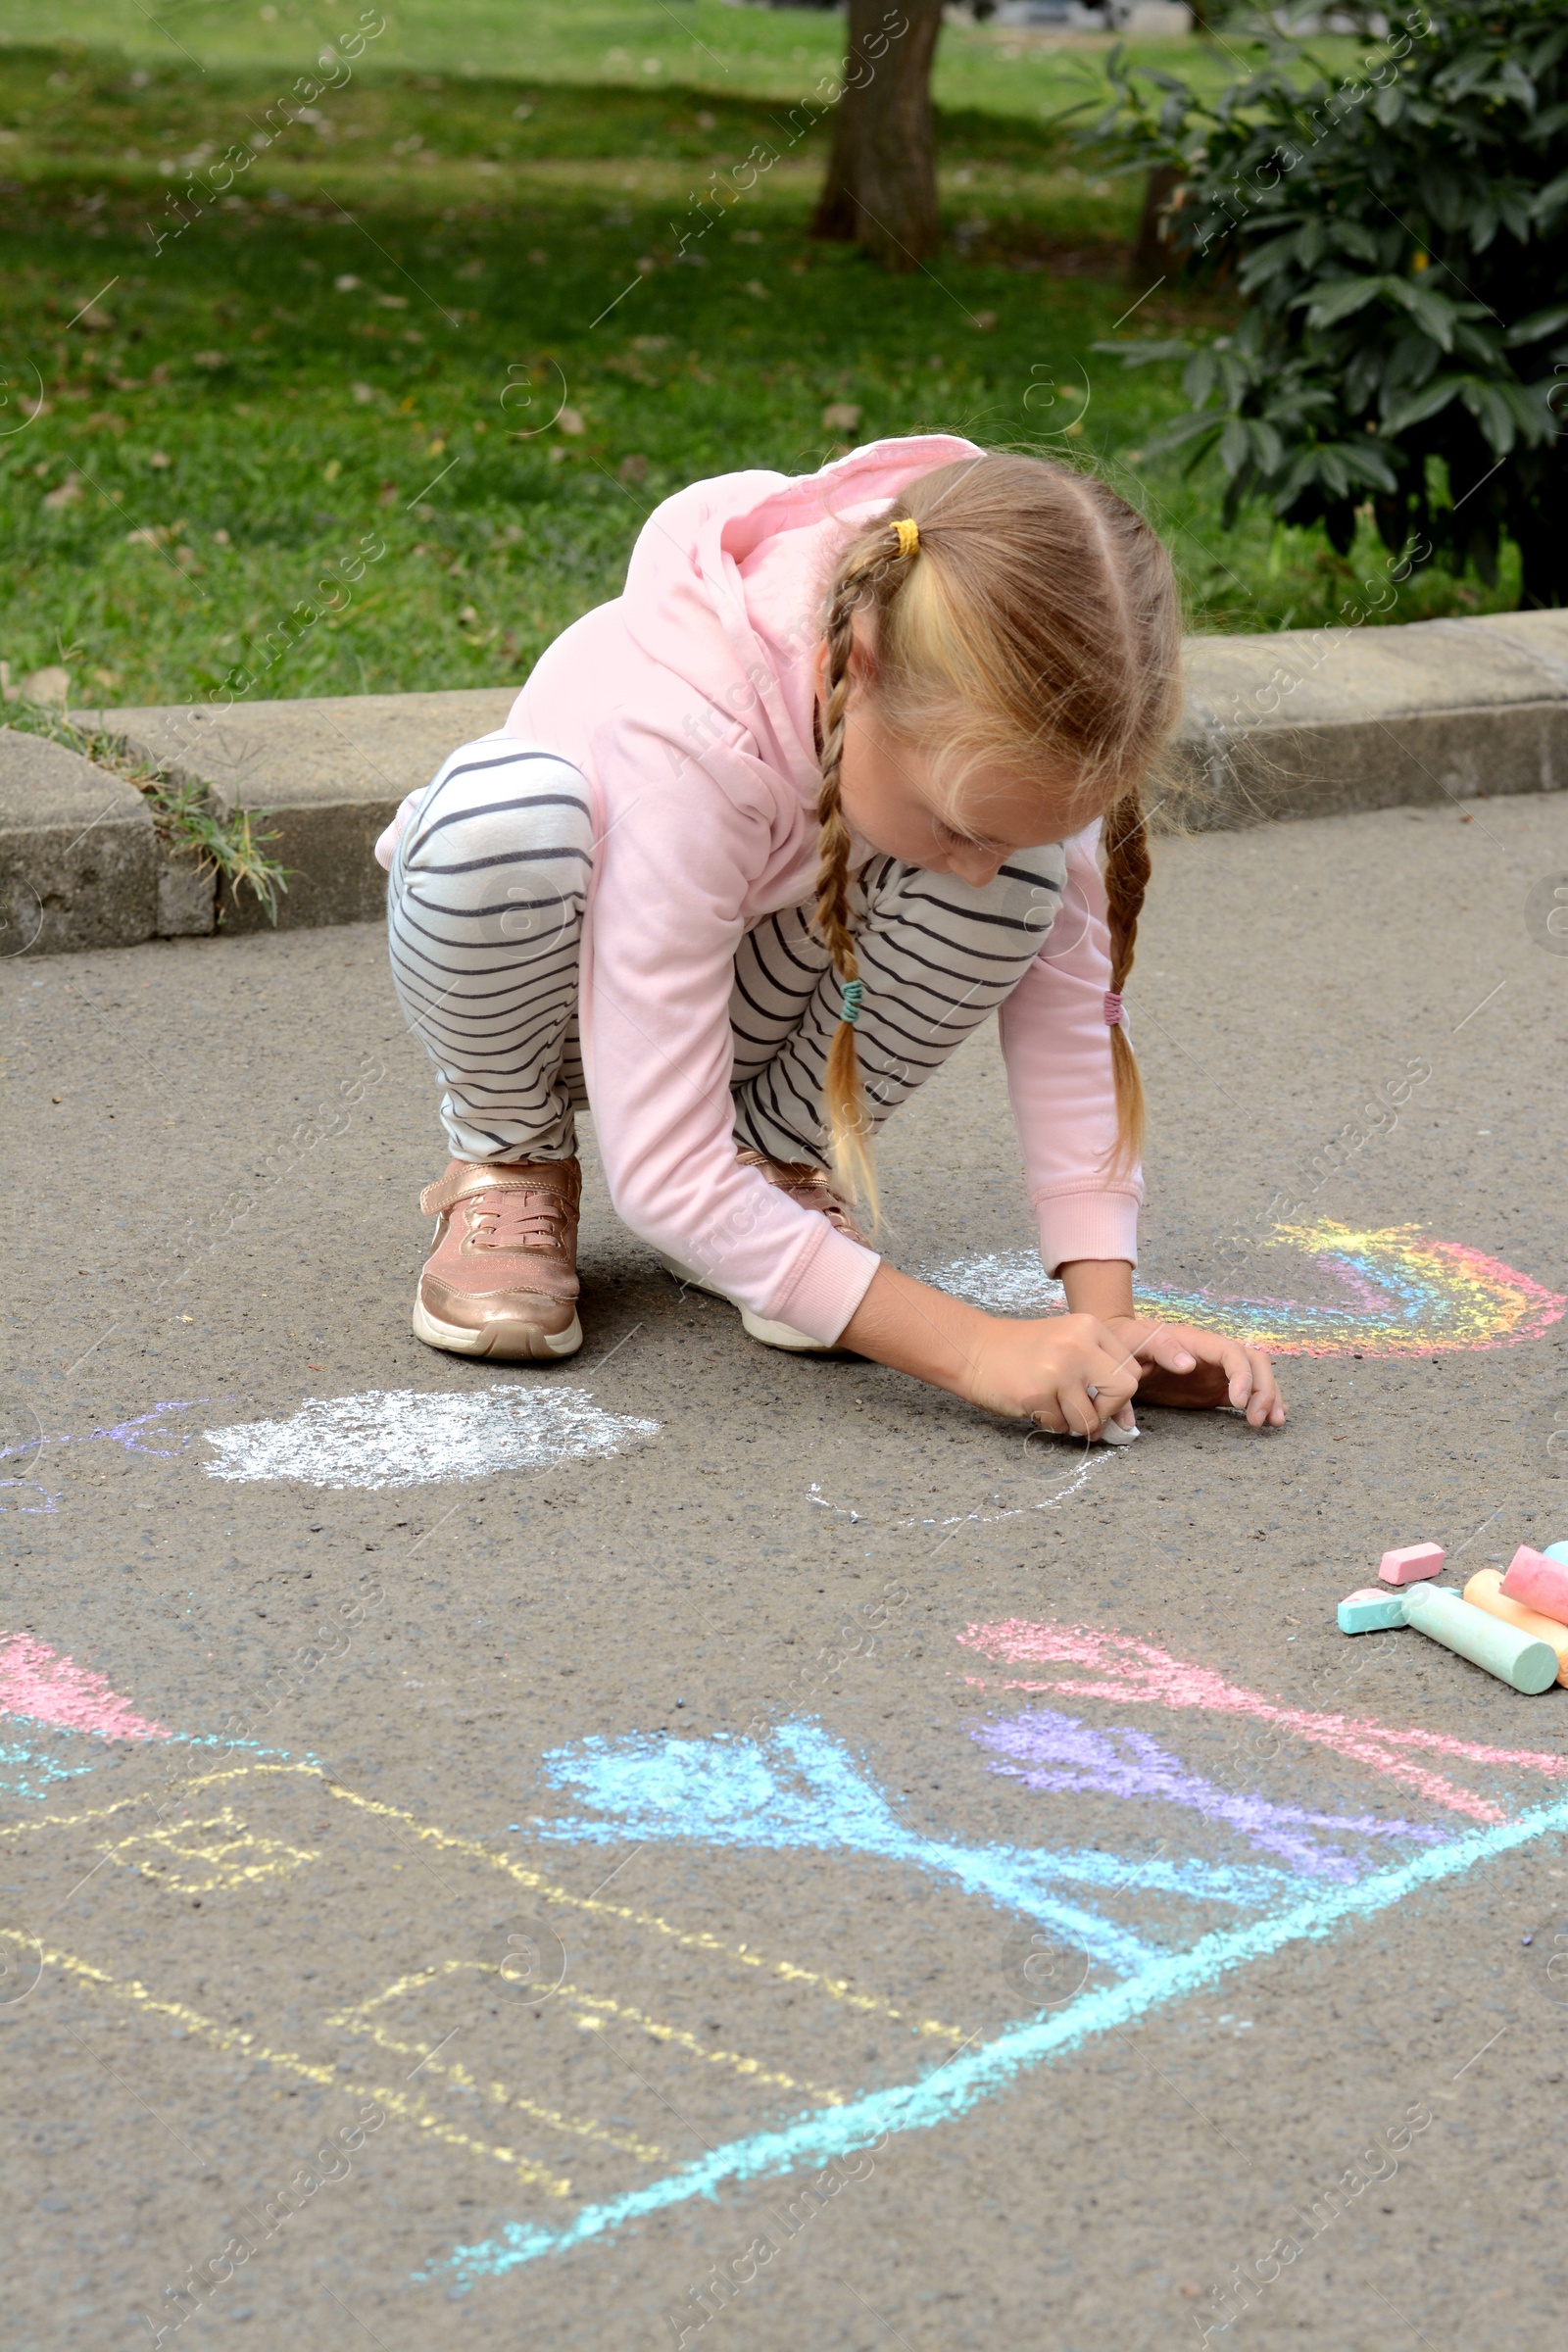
958,2084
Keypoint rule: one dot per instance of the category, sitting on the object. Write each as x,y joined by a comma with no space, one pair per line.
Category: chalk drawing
404,1436
122,1433
199,1857
36,1683
1091,1459
799,1788
952,2089
1046,1751
1154,1927
1136,1671
1405,1294
31,1772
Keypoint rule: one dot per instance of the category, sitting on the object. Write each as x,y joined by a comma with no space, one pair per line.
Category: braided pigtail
1126,880
867,576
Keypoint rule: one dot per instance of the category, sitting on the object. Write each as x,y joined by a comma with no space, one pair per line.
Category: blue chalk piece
1372,1610
1556,1551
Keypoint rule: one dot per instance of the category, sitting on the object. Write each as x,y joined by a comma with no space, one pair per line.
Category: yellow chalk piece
1481,1592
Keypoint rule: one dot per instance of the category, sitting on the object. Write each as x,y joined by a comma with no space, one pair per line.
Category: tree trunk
1154,254
880,192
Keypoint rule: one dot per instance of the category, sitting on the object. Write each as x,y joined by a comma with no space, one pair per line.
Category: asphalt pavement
697,1842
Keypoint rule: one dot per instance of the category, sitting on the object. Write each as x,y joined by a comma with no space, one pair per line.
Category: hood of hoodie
725,584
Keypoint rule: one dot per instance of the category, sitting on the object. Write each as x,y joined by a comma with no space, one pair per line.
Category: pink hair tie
1112,1010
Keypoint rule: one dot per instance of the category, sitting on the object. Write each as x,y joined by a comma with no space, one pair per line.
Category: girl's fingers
1083,1414
1238,1369
1163,1348
1171,1353
1267,1404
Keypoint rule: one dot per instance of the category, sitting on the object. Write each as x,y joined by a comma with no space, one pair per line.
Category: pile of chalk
1515,1624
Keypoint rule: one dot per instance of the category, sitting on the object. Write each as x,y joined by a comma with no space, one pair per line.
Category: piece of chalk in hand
1112,1433
1409,1565
1372,1610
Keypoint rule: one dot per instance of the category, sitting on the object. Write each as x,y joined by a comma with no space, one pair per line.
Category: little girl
762,842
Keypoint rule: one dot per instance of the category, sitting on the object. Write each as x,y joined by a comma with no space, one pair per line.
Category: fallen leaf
571,421
841,417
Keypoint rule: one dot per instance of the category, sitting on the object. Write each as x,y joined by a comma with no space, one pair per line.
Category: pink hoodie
687,704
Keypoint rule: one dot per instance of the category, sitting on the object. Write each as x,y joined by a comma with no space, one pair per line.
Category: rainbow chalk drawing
1405,1293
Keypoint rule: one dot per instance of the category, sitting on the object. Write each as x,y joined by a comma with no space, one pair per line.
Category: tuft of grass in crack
229,846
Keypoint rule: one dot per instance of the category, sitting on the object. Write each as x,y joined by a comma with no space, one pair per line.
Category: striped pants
485,912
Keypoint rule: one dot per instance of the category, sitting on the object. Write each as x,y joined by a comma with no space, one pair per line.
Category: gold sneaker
502,1279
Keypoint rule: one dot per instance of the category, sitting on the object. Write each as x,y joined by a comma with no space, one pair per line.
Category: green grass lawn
449,319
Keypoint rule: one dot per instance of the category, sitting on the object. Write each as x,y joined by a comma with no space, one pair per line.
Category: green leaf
1433,313
1417,407
1538,325
1341,297
1201,426
1235,445
1140,355
1491,413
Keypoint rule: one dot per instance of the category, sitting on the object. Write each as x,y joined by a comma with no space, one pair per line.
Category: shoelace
526,1220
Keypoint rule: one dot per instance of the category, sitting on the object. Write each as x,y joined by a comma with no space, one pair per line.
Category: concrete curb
1304,723
1318,722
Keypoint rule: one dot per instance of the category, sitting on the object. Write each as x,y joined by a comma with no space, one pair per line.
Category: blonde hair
1029,623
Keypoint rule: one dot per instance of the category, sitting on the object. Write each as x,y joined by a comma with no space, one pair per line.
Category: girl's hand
1181,1365
1069,1372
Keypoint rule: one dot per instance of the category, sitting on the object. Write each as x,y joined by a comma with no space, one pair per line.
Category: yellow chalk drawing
357,2020
415,2111
200,1856
752,2067
231,2040
211,1848
836,1988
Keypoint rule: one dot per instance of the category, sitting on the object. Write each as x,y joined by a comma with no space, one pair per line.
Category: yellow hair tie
909,532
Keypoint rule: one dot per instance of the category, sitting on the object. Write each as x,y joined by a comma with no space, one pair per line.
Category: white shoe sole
456,1340
772,1335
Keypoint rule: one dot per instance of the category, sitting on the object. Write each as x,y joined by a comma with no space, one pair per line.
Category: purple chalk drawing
122,1433
1050,1752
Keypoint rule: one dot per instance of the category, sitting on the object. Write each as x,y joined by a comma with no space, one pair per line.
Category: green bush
1399,239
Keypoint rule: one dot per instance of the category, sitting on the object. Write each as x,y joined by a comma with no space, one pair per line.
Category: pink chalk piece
1409,1566
1539,1583
37,1681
